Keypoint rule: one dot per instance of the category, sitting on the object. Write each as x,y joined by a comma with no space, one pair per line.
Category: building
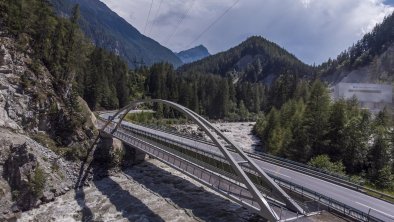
371,96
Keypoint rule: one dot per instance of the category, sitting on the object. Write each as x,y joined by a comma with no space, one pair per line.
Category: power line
212,24
147,19
180,22
154,19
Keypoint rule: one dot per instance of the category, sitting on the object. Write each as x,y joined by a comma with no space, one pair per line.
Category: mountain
108,30
370,60
193,54
254,60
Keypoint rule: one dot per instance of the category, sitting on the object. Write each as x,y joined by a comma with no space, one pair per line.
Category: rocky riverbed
152,191
239,132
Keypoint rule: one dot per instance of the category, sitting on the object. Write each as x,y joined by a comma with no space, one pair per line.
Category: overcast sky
313,30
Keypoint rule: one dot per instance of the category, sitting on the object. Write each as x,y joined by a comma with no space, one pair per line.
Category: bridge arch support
215,135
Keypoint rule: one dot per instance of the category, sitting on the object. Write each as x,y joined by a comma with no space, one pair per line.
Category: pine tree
380,154
316,118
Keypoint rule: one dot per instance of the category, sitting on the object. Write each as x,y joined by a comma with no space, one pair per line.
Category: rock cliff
35,171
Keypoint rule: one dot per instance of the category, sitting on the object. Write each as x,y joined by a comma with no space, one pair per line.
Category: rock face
29,101
30,174
18,171
13,103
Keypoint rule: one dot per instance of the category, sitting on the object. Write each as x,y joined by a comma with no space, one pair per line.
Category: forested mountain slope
254,60
370,60
108,30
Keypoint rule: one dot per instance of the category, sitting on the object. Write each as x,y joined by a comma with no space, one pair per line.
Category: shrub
37,182
324,162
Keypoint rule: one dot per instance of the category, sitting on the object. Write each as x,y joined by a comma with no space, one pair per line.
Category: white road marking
392,217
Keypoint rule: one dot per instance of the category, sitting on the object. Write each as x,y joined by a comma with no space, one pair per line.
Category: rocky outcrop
13,103
30,174
29,101
19,171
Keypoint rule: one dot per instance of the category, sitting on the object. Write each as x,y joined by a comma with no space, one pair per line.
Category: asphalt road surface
365,203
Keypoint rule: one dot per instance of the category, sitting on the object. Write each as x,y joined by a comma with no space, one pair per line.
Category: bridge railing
207,163
332,204
221,165
310,194
219,182
175,132
256,153
338,179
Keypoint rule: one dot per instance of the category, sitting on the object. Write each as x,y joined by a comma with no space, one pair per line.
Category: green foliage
364,51
46,141
37,181
324,162
152,118
73,153
340,131
259,57
316,117
385,178
210,95
101,78
141,117
106,81
109,31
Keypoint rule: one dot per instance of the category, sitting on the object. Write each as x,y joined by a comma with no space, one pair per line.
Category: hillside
193,54
370,60
254,60
108,30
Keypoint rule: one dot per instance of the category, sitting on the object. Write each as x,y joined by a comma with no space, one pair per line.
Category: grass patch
46,141
37,182
150,118
69,153
384,191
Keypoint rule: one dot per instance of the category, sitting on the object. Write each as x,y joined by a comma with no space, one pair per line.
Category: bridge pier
132,156
113,153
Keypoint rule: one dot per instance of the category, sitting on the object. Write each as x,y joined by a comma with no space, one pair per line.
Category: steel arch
265,210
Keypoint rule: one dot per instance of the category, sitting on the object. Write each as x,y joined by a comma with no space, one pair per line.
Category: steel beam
265,210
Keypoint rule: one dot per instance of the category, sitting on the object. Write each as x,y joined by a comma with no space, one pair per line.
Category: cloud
312,30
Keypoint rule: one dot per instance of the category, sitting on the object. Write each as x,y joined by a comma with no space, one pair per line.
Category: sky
312,30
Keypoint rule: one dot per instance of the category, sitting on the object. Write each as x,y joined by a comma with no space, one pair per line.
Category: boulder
47,197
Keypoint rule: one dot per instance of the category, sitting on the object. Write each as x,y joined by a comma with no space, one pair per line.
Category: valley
250,133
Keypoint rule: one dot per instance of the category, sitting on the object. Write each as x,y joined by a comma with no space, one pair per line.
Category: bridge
275,189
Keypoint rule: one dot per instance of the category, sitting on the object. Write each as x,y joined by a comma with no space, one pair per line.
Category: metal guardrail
327,201
215,180
341,180
176,133
157,140
312,171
